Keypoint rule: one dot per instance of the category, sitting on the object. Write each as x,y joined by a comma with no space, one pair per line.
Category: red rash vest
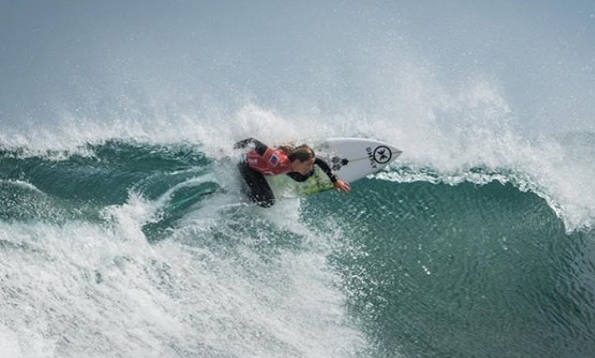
272,162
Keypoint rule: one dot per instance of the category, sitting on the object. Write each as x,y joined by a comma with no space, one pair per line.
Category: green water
435,270
421,269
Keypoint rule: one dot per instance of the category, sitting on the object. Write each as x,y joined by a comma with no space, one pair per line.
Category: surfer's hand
343,186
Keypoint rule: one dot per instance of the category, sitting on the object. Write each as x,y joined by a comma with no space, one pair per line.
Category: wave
150,266
145,235
436,269
99,175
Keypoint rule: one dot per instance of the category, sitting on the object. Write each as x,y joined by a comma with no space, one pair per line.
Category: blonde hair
302,152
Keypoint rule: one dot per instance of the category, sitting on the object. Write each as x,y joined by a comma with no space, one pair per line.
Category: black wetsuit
259,190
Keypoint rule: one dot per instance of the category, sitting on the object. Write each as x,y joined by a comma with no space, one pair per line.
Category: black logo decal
382,154
338,163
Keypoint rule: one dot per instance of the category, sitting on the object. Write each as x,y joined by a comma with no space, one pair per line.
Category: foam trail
112,292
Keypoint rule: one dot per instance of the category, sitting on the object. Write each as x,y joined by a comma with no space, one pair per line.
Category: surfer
296,162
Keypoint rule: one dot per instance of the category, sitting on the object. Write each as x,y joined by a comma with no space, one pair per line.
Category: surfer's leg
259,190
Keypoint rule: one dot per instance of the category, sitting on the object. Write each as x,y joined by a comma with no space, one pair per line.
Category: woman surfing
295,162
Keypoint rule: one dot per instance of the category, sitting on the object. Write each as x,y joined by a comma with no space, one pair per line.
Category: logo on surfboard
381,155
338,163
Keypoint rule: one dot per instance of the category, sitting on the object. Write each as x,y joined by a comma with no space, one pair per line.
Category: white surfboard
349,158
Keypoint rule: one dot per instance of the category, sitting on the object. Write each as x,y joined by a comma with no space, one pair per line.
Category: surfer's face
304,167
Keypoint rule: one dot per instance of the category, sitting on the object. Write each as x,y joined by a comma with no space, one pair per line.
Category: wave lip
576,216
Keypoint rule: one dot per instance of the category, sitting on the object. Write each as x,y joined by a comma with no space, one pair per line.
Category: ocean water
124,233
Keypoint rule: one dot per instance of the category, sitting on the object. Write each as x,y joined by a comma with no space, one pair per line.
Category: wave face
463,270
147,249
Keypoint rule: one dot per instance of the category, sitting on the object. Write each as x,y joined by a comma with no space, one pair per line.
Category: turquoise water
464,271
134,247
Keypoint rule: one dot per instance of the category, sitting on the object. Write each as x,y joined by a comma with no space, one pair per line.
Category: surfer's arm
337,183
326,169
259,146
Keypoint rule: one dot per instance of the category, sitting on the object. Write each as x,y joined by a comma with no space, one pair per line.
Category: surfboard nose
395,152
